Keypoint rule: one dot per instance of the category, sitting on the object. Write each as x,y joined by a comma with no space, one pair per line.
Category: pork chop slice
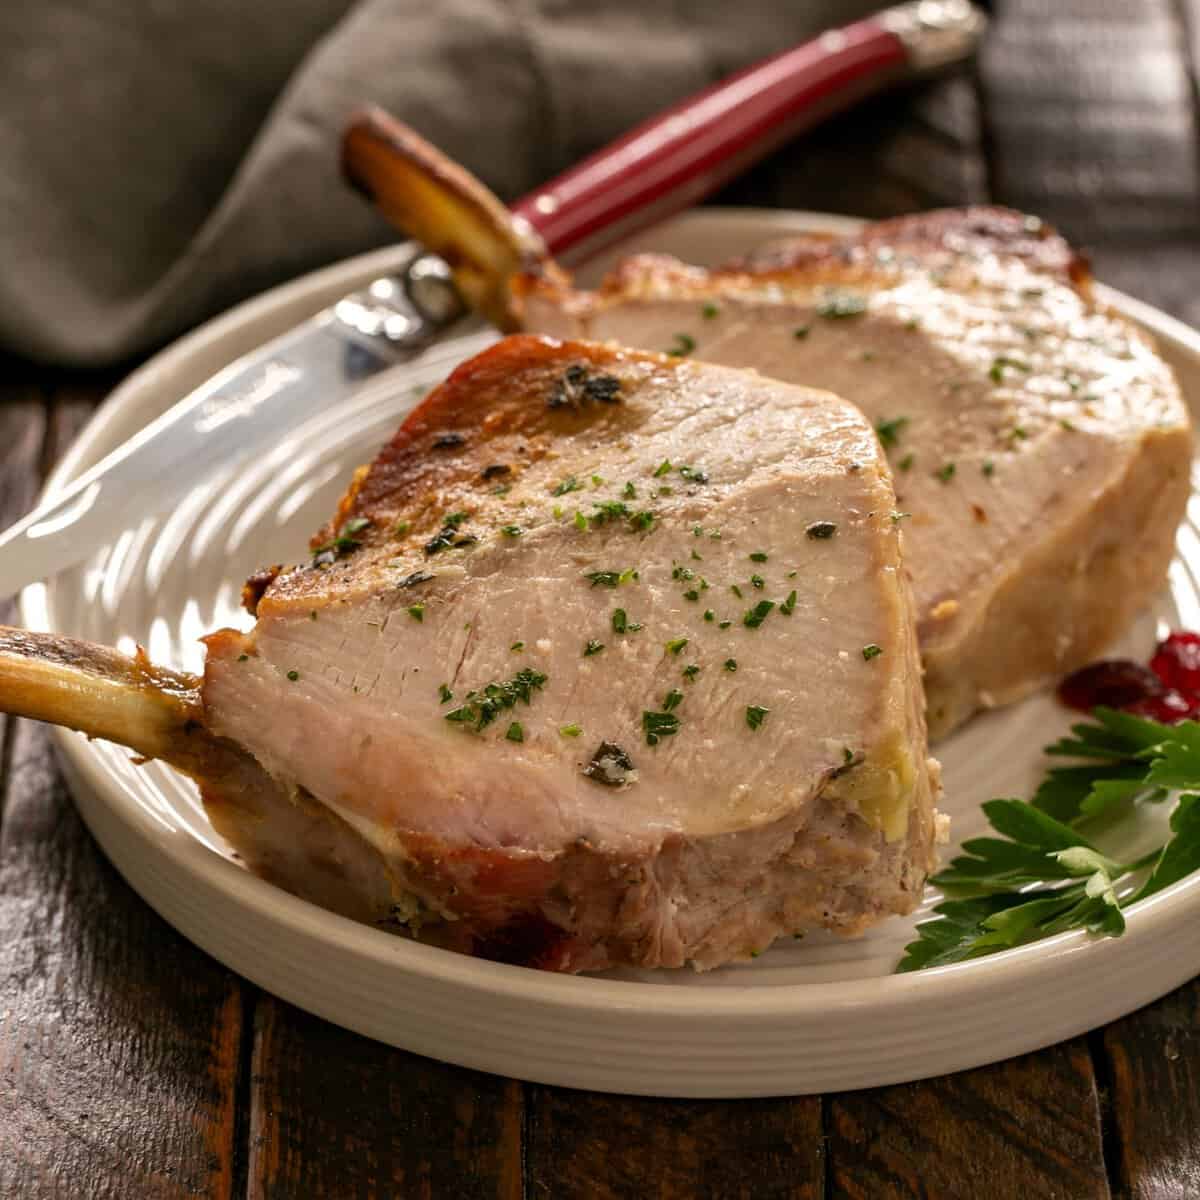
1039,443
608,658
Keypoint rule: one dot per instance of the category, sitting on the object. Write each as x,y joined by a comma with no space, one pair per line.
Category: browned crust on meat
843,259
492,421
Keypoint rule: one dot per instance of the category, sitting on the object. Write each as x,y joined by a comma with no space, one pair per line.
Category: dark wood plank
1153,1086
1090,113
594,1147
118,1039
1023,1128
334,1114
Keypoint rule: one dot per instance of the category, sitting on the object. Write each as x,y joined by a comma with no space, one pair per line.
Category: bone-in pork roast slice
1039,443
607,659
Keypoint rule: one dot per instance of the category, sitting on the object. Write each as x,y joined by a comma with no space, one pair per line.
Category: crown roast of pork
608,658
1038,442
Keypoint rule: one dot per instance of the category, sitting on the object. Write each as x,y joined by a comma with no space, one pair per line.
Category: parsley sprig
1043,876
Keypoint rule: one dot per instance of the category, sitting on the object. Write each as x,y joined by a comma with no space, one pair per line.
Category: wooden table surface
132,1065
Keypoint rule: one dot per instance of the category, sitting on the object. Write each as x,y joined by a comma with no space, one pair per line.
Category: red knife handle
674,159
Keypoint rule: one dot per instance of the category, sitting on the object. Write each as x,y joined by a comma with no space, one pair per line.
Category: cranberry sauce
1168,690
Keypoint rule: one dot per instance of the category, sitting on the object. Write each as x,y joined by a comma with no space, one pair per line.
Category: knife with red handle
663,165
676,158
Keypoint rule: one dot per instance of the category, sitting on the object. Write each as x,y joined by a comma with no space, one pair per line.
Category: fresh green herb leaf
821,530
517,647
515,733
571,730
672,699
755,616
871,651
293,676
889,431
480,708
629,492
758,556
730,664
690,672
945,473
676,645
570,484
656,725
709,311
789,605
906,463
756,715
512,531
801,332
445,695
709,615
593,647
663,468
684,345
416,611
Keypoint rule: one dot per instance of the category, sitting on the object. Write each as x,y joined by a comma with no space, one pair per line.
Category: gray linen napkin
160,161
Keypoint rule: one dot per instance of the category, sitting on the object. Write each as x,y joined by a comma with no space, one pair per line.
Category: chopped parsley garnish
694,474
905,464
243,657
629,492
724,624
512,531
731,664
416,611
627,574
897,516
945,473
757,581
342,543
481,708
789,605
603,578
656,725
758,556
609,510
517,647
684,345
710,311
449,536
692,595
821,530
570,484
293,676
445,695
755,616
593,647
675,645
680,572
871,651
580,520
571,730
690,672
672,700
622,624
709,615
1018,433
996,370
642,521
841,305
515,733
756,715
889,431
663,468
737,591
801,332
401,528
697,557
989,467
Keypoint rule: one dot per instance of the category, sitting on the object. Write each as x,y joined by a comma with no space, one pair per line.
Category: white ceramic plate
824,1014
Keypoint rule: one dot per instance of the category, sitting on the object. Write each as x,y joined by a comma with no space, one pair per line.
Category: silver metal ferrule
936,33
